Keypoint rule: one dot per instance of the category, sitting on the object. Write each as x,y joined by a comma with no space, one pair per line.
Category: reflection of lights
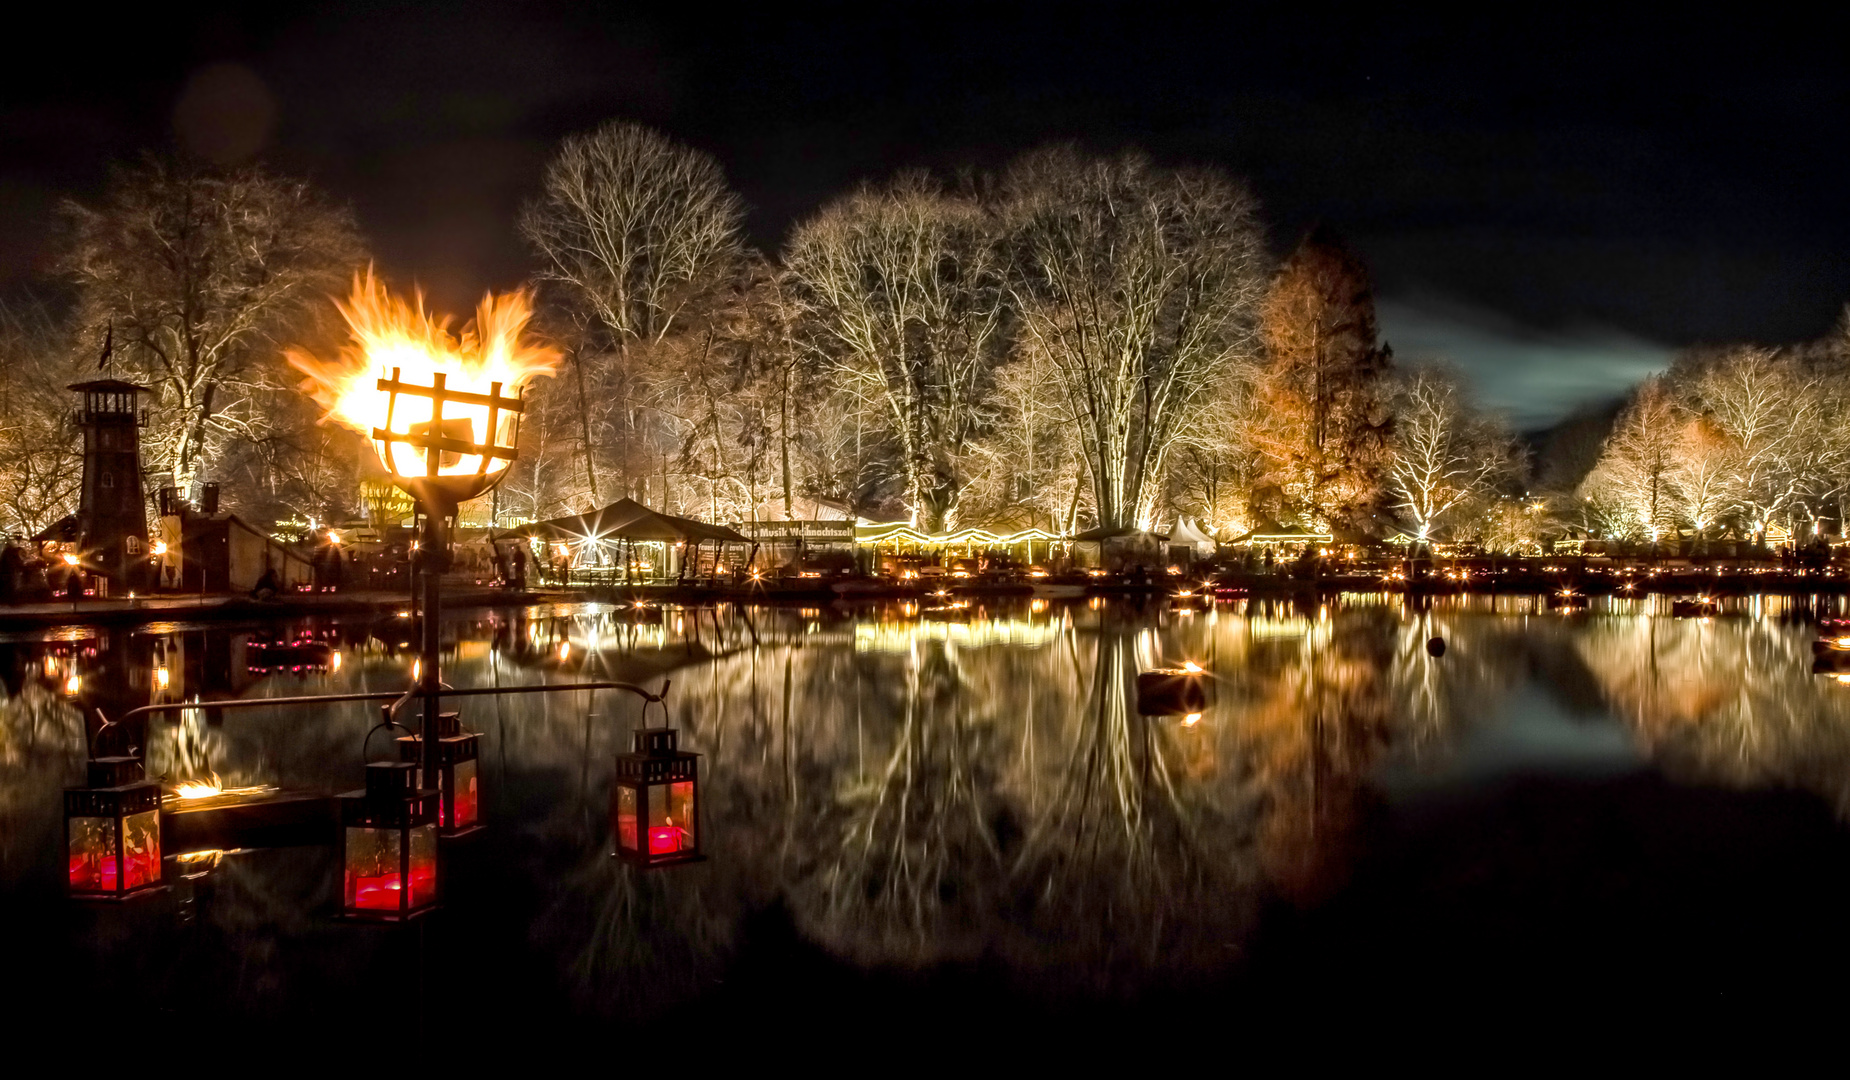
1037,605
565,650
404,614
417,670
1037,573
73,684
334,661
1191,719
1096,573
161,677
1191,667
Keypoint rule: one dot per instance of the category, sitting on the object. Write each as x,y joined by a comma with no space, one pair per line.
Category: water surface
932,811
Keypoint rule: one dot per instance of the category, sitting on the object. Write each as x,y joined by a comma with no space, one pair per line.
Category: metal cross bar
434,442
391,695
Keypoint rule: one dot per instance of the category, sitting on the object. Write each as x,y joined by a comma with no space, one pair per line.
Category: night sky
1555,205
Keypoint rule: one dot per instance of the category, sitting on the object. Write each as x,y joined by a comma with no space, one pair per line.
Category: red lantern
389,845
112,831
458,777
655,801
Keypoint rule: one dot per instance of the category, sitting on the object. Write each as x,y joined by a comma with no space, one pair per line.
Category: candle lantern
389,845
112,831
457,777
655,801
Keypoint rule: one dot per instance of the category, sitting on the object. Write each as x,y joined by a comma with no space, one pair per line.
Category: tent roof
1187,532
625,519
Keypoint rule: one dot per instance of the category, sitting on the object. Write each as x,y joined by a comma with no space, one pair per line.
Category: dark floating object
655,801
1701,607
388,842
1182,691
1435,646
1566,600
268,818
112,831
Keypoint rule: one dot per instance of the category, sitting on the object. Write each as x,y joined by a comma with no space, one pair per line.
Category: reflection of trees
1729,700
906,853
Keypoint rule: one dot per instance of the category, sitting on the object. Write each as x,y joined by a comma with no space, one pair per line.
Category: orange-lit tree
1326,418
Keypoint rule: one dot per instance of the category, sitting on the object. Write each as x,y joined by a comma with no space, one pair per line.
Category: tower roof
110,386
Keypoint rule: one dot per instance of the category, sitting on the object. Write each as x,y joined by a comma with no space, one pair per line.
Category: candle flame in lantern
390,333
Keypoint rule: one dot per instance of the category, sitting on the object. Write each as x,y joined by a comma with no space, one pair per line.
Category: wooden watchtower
112,515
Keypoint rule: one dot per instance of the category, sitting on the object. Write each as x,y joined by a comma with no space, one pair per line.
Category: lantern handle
388,722
657,699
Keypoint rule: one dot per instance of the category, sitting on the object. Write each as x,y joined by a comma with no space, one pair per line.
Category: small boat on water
1567,600
1052,589
1702,607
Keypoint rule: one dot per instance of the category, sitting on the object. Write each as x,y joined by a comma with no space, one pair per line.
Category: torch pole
434,558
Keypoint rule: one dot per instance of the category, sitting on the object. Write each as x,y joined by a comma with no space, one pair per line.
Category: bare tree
1139,285
198,278
905,285
1634,485
41,454
642,234
636,226
1774,414
1444,455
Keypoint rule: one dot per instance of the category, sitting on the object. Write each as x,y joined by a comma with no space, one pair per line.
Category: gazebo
628,522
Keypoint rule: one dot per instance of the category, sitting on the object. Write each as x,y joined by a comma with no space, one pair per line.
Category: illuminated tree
1634,485
198,278
642,235
1327,419
1138,286
1444,456
905,284
41,455
1775,416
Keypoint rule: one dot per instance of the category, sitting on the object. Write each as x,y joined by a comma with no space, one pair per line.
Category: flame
390,333
199,789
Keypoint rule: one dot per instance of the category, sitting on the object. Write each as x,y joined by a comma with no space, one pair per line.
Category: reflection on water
914,787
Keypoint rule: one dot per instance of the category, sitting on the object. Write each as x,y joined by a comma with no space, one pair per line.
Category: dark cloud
1534,377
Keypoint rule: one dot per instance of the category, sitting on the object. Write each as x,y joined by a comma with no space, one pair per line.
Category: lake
933,816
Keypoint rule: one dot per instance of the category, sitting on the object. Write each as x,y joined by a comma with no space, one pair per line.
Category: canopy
625,519
1187,532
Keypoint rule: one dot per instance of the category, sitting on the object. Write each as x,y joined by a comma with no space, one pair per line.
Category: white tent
1191,533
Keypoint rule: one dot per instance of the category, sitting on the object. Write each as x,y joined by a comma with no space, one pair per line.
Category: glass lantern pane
463,801
423,865
93,854
681,811
372,876
141,849
667,830
626,817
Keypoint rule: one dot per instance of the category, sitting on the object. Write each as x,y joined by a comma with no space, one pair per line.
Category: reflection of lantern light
73,684
112,831
458,776
654,802
388,845
161,677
